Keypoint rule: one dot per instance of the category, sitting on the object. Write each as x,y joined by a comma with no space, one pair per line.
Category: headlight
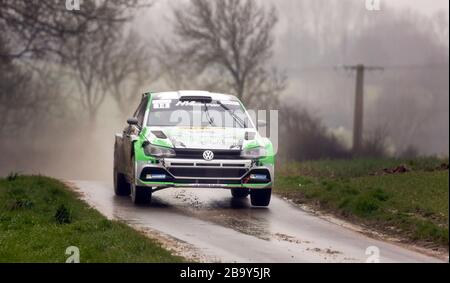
252,153
158,151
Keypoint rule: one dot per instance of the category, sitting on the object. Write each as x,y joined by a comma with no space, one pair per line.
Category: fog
313,40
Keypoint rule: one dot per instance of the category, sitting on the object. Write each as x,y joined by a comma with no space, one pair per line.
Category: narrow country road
216,227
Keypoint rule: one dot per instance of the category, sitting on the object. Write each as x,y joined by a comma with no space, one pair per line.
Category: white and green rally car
192,139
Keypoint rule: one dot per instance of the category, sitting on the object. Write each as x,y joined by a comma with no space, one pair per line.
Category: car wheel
260,197
240,193
121,186
141,195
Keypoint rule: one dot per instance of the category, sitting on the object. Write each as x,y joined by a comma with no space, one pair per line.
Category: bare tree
13,84
29,98
230,43
46,32
88,66
129,70
38,28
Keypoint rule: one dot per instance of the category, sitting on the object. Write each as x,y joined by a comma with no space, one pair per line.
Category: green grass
348,168
413,204
40,218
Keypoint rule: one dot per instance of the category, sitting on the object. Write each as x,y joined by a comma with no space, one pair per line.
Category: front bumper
239,173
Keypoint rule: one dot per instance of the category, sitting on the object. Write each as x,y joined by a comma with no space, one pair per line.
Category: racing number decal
161,104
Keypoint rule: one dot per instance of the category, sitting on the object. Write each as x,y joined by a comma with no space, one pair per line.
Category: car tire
141,195
121,186
260,197
240,193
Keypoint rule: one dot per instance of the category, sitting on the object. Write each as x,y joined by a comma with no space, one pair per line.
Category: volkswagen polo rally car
192,139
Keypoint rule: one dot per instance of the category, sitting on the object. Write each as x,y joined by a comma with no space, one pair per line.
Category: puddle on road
237,214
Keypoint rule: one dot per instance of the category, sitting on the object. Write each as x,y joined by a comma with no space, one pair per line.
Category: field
40,218
405,198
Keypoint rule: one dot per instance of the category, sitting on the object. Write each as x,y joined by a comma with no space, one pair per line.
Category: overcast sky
160,9
424,6
395,43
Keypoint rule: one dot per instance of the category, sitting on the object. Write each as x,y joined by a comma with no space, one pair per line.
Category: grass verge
412,204
40,218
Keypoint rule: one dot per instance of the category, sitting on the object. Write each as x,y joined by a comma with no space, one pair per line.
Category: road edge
170,243
440,253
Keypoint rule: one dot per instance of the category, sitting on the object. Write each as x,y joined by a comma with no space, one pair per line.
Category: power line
428,66
385,67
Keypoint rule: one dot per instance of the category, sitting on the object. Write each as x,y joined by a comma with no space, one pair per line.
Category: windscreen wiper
235,117
208,116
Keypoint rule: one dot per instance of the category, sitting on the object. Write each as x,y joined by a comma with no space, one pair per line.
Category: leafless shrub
375,142
409,152
303,136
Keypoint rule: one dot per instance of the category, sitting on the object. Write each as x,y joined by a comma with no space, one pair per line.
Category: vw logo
208,155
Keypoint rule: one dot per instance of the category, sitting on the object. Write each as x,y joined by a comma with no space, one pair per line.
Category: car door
130,134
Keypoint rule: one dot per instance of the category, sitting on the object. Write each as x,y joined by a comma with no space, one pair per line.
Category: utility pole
358,115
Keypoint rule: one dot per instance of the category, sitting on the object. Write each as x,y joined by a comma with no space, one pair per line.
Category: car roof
180,93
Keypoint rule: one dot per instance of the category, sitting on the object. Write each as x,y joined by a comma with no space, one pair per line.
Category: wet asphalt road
218,228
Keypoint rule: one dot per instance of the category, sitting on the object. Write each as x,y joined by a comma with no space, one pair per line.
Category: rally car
192,139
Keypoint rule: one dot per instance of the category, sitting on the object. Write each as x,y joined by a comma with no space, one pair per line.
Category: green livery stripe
159,183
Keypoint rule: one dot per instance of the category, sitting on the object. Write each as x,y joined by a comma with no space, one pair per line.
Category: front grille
198,153
208,172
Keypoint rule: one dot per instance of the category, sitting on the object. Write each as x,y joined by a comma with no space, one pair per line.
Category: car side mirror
133,121
261,123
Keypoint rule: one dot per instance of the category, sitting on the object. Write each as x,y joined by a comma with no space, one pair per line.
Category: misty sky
427,7
342,38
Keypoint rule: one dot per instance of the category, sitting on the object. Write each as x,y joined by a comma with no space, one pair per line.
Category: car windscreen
173,112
